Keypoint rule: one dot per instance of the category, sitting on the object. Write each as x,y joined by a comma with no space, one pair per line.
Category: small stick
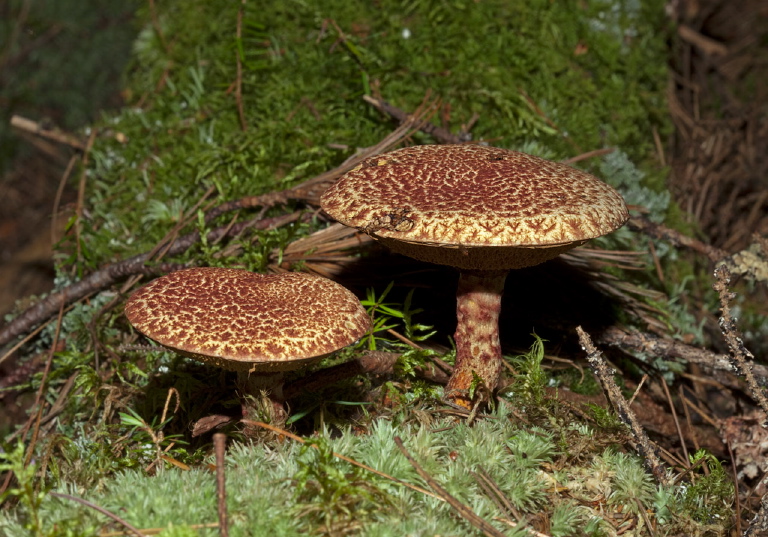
677,421
637,390
27,125
59,193
353,462
589,154
155,531
688,422
40,401
461,509
442,135
100,510
80,207
672,348
735,487
641,510
660,231
605,375
506,505
741,357
220,446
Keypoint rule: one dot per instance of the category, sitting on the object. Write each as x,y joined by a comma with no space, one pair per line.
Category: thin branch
742,359
672,348
220,446
57,135
442,135
462,510
605,375
100,509
677,422
660,231
103,278
353,462
80,208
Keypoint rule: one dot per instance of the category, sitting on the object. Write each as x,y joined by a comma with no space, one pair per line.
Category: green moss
596,72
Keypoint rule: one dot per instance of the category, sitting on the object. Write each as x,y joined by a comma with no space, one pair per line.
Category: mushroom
259,325
484,210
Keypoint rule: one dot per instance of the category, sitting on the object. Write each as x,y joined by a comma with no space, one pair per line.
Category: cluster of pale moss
289,489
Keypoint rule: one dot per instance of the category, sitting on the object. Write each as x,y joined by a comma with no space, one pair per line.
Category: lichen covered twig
604,373
742,359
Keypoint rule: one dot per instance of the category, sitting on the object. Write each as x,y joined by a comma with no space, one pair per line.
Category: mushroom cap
240,320
425,200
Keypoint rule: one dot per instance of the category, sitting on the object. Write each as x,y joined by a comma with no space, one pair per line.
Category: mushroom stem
253,387
478,351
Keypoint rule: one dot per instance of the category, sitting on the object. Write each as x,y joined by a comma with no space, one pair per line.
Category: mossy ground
552,78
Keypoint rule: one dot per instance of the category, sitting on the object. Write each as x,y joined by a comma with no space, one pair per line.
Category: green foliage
287,489
622,173
531,448
332,492
148,437
584,76
530,384
26,488
709,497
384,314
632,485
567,519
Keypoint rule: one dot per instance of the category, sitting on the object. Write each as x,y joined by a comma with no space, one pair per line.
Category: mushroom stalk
478,351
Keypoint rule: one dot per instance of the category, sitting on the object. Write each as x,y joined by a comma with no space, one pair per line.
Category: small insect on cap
240,320
474,207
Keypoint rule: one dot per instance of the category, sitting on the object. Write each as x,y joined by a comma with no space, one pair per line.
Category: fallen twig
742,359
51,133
630,338
444,136
100,509
103,278
605,375
353,462
220,446
660,231
462,510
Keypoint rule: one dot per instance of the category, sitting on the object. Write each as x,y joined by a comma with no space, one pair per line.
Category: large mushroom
484,210
259,325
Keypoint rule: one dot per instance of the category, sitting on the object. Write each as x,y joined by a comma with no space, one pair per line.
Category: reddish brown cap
489,205
241,320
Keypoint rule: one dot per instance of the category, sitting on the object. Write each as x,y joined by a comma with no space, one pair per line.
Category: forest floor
718,156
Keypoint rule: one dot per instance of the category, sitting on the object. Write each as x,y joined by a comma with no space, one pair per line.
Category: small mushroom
260,325
484,210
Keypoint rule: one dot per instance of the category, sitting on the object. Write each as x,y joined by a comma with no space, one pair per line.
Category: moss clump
555,78
287,489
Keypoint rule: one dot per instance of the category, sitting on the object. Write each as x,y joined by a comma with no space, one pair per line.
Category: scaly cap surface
242,320
469,196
